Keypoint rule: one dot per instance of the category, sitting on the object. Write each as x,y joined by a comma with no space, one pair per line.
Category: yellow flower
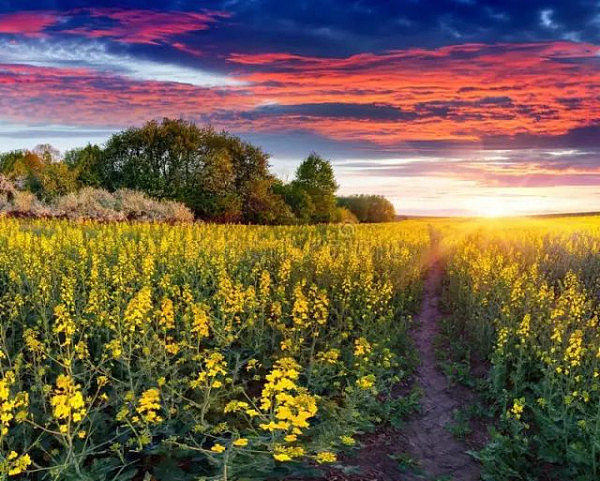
64,323
166,315
68,404
241,442
149,405
292,406
12,407
217,448
362,347
366,382
137,311
330,357
326,457
287,453
20,465
517,408
575,348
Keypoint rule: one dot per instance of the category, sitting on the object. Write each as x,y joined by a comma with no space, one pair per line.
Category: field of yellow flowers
176,352
524,296
151,351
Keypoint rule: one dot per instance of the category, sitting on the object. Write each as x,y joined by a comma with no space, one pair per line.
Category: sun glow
500,206
518,202
493,208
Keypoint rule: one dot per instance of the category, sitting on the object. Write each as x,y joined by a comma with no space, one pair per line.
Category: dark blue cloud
335,110
341,28
579,137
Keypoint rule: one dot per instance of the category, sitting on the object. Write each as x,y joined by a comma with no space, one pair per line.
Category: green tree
298,201
369,208
345,216
54,180
218,175
22,167
87,163
39,171
315,177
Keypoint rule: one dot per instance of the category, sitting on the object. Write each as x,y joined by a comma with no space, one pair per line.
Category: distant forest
216,175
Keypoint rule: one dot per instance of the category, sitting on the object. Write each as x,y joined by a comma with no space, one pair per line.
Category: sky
447,107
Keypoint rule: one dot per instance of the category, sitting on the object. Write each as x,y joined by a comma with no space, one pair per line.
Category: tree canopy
39,171
369,208
311,195
219,176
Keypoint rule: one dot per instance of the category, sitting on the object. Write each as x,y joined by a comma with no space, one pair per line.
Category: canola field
525,299
203,349
154,351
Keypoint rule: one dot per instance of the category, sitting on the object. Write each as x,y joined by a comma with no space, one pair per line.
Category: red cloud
462,92
142,26
28,24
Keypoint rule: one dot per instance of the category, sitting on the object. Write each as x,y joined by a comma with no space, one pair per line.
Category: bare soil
427,440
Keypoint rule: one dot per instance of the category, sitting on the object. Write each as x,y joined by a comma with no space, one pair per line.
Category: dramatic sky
444,106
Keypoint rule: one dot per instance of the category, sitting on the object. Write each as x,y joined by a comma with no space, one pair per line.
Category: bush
94,204
26,204
137,206
7,191
124,204
20,204
88,203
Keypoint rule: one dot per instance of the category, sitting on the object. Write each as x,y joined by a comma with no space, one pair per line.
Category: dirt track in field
426,438
431,450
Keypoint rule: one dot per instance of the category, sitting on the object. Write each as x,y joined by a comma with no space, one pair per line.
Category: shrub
20,204
93,204
99,204
7,191
88,203
26,204
136,205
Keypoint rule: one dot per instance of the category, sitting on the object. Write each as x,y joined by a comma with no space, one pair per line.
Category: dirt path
424,443
425,437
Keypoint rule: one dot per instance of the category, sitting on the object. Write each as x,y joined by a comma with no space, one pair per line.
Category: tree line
220,177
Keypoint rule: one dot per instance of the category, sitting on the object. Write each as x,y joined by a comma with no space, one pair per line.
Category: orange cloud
464,93
454,92
128,26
